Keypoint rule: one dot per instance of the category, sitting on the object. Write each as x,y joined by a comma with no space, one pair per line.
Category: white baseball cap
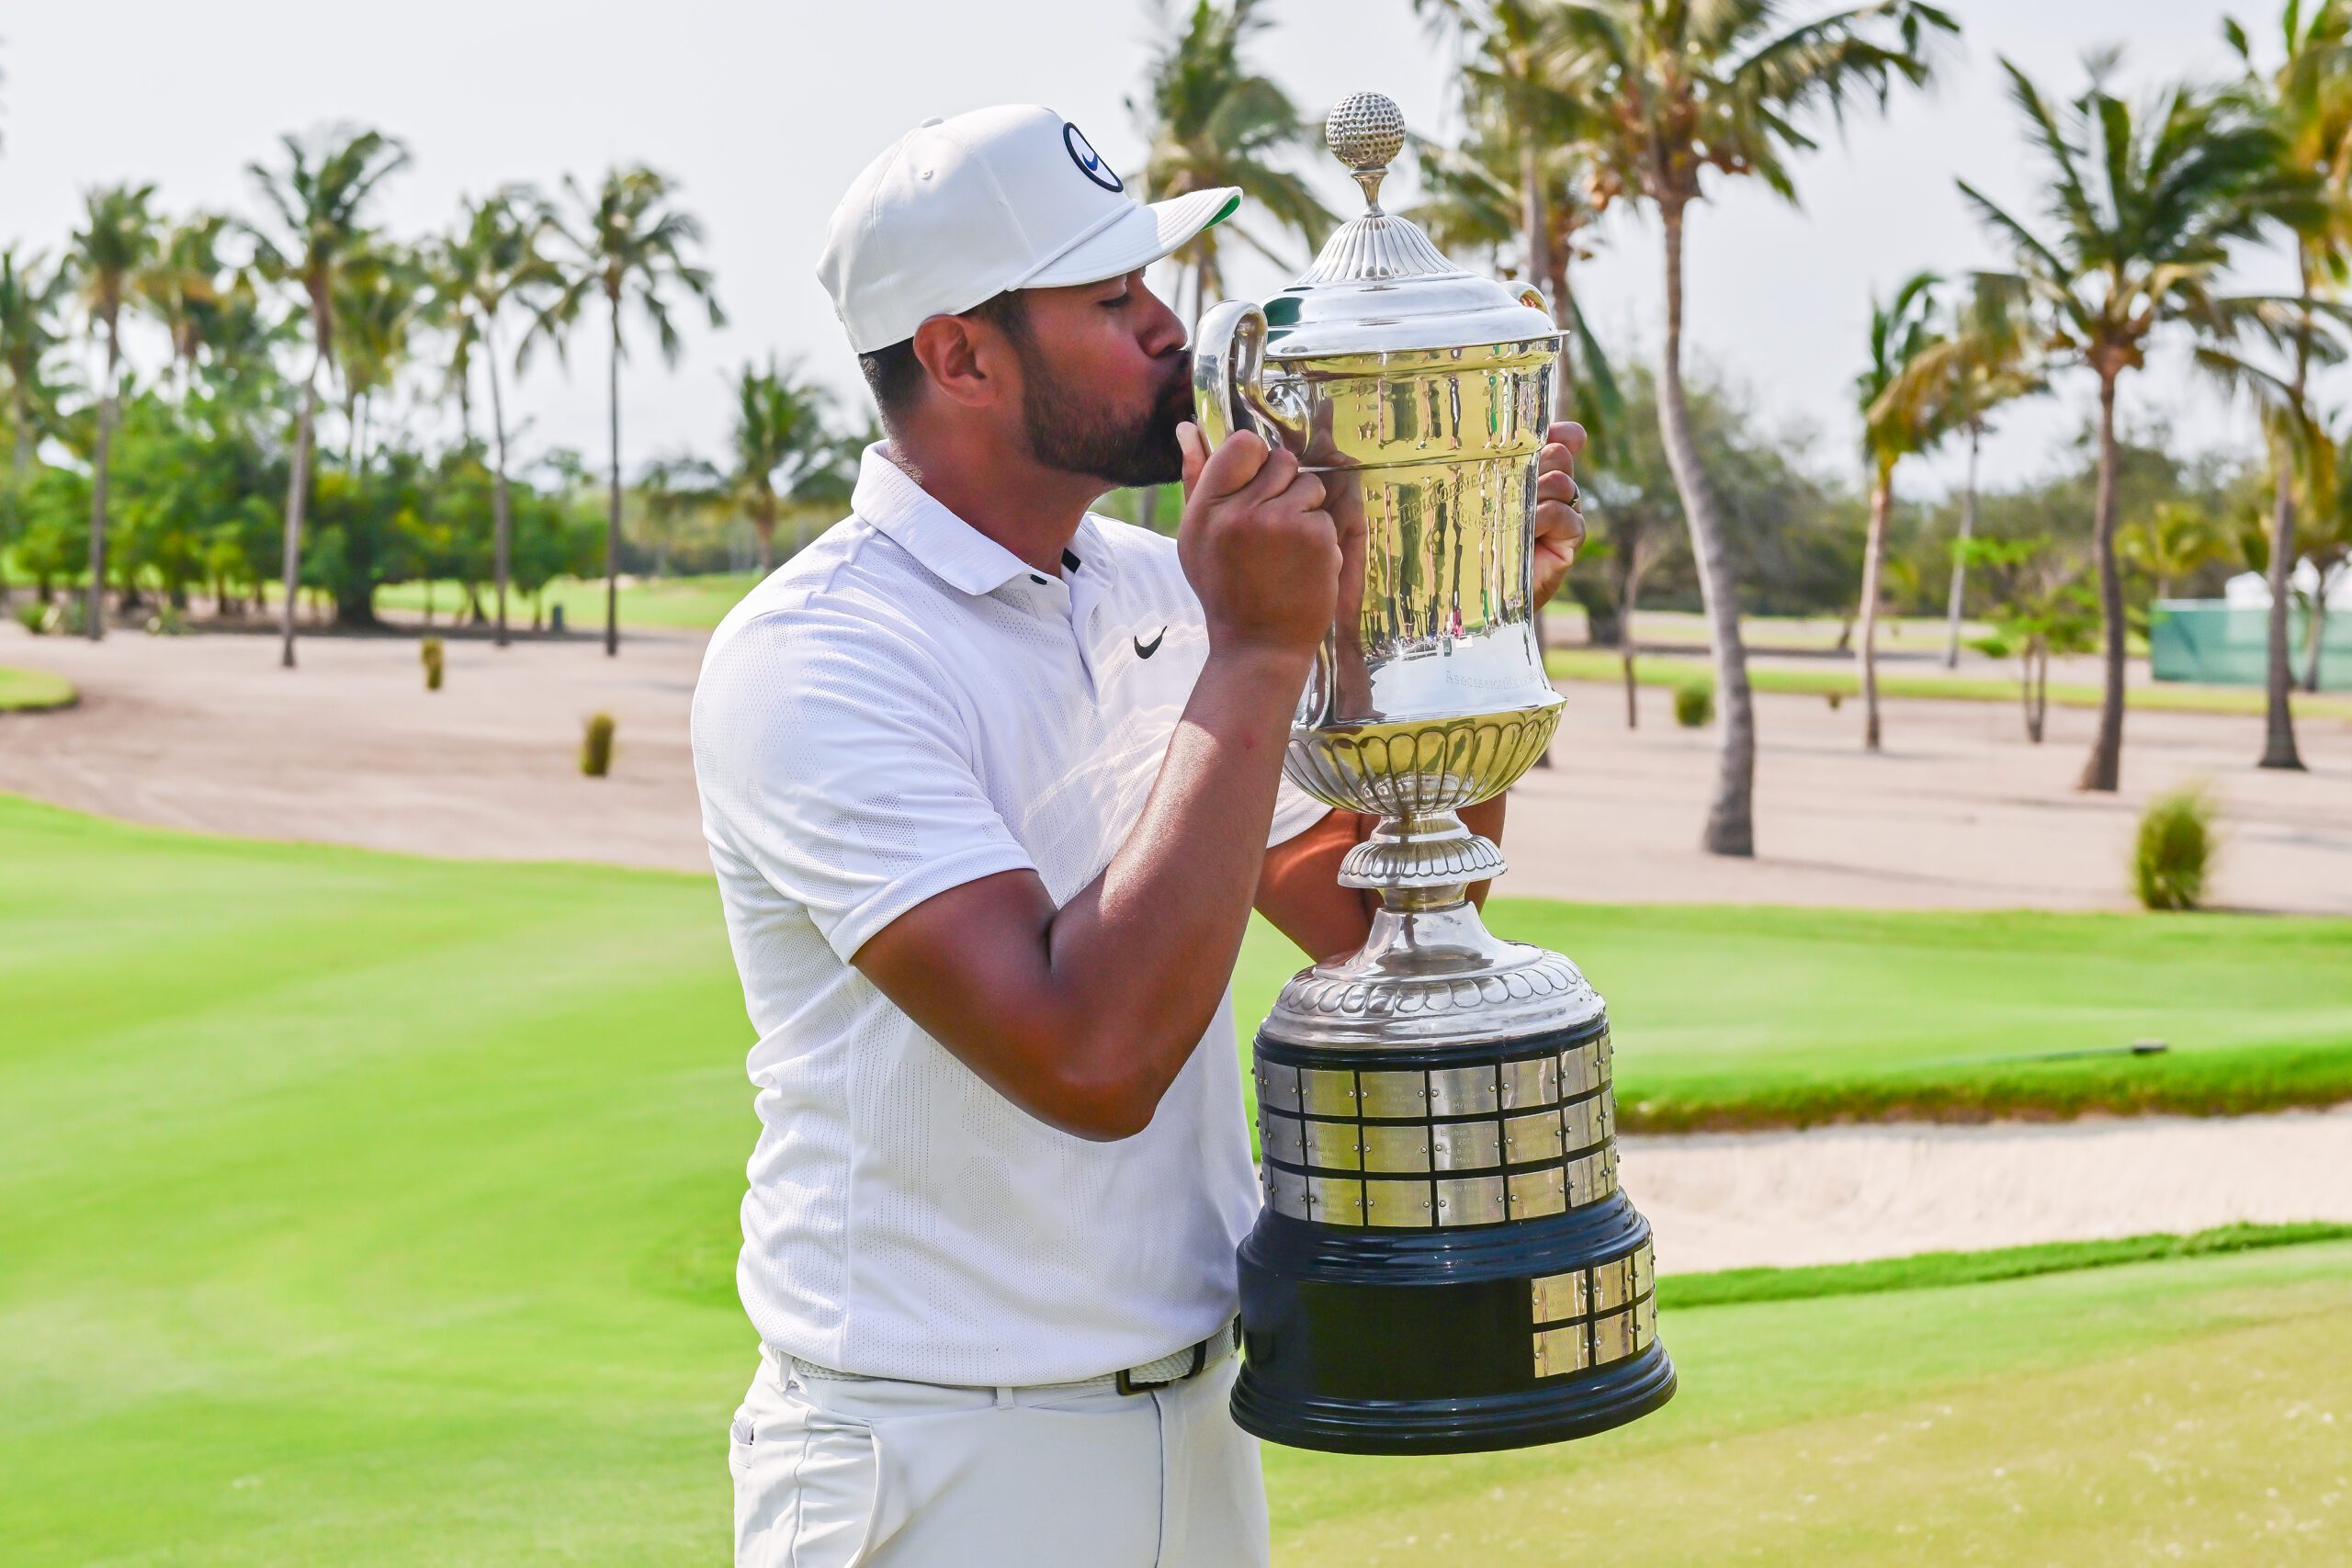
962,210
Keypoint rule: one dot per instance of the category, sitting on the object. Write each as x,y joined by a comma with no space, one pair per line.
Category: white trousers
831,1473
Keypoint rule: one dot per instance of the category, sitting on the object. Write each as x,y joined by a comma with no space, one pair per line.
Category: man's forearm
1140,959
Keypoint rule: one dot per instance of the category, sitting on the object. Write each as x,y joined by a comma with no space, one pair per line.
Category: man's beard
1074,433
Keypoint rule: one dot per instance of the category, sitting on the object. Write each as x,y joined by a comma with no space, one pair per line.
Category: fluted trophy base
1445,1263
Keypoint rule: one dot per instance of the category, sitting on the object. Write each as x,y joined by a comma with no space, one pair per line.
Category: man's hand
1559,517
1256,544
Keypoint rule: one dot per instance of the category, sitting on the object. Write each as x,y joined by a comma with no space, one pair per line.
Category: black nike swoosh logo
1145,651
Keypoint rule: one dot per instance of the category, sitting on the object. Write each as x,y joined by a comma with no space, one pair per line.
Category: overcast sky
765,111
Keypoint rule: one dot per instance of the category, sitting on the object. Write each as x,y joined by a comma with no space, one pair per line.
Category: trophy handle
1229,352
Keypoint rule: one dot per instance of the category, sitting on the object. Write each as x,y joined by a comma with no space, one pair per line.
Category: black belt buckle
1126,1383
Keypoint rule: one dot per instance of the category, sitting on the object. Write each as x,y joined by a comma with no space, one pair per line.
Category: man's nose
1163,329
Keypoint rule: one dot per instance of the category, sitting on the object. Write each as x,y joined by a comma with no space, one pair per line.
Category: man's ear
964,358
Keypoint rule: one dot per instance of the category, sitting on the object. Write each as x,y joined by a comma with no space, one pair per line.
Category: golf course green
364,1209
29,689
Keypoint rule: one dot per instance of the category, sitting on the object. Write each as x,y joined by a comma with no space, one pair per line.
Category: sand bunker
1842,1194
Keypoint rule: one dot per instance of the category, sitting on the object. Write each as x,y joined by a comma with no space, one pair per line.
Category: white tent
2249,591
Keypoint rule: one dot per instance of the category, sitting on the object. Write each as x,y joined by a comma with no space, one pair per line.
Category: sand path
1958,812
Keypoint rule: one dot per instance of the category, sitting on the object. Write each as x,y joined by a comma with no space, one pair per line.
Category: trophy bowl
1445,1262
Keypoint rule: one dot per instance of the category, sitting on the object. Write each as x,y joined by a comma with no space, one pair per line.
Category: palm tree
2146,203
631,245
2309,98
1892,429
497,257
1678,90
32,295
782,449
117,237
319,199
1986,362
1521,173
2171,542
377,302
1209,122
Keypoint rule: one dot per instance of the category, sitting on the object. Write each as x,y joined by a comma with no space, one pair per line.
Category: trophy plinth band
1445,1262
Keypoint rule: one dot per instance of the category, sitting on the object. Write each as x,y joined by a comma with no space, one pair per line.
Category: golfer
992,785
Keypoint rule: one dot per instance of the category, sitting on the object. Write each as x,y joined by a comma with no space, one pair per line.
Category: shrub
33,615
596,747
67,617
2175,850
431,652
1694,703
167,621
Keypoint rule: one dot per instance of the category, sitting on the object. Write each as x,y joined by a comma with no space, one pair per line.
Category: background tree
2145,202
319,199
780,447
181,287
498,257
1678,90
376,303
2309,99
629,246
117,237
1894,428
2171,541
2040,607
32,296
1209,122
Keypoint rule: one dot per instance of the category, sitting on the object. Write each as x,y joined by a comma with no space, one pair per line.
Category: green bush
2175,850
167,621
67,617
596,747
431,652
1694,703
33,615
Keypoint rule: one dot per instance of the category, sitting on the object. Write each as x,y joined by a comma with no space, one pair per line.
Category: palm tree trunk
502,518
1873,556
613,518
1960,555
93,604
1731,826
21,415
298,484
2279,748
2103,770
1630,598
2315,636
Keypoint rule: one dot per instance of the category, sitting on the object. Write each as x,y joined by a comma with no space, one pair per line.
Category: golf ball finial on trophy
1445,1262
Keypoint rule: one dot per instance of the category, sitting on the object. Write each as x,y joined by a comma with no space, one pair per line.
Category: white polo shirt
902,707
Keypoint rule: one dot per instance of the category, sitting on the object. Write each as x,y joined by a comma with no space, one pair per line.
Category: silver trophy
1445,1262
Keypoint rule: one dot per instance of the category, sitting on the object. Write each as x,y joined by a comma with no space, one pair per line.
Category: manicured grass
680,603
25,691
357,1209
1735,1017
1652,670
2191,1410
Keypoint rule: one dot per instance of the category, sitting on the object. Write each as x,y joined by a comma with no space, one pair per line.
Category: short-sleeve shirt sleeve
834,760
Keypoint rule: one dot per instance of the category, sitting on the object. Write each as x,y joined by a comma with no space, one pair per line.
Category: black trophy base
1482,1424
1370,1342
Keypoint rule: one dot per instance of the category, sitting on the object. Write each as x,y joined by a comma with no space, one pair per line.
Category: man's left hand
1559,517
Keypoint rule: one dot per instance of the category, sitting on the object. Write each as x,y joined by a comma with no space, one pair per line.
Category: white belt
1167,1371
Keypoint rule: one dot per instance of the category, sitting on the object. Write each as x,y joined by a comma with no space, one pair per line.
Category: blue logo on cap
1090,163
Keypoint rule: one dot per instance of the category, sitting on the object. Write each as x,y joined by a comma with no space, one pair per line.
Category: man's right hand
1256,544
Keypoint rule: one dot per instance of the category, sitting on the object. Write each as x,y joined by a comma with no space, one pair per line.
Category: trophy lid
1379,285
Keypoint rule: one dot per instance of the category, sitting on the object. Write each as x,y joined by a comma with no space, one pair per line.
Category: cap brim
1147,234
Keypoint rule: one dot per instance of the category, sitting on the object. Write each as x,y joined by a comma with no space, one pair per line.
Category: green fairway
694,604
1728,1016
1843,680
360,1209
27,690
